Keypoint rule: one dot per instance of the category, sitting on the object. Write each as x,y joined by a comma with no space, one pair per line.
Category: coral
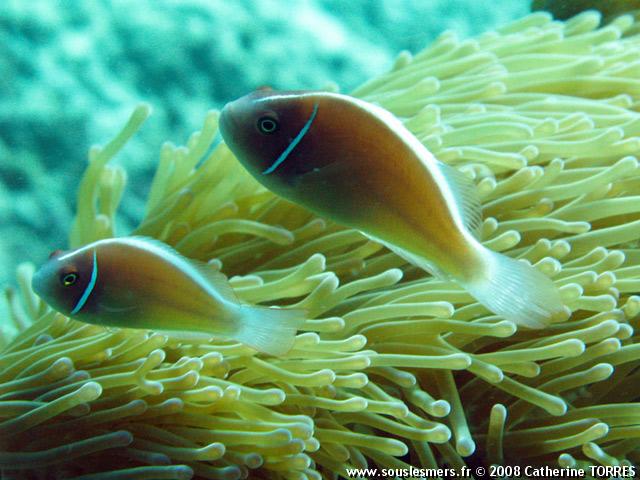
394,368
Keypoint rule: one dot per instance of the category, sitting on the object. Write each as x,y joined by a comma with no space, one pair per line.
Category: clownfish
355,163
137,282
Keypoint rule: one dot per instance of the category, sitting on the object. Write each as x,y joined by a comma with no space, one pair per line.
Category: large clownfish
137,282
355,163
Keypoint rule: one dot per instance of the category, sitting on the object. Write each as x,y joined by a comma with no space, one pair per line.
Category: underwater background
72,71
391,367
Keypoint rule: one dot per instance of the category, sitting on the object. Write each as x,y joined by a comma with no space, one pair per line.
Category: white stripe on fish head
90,286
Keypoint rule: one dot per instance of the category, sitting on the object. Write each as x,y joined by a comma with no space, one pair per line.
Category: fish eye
68,279
267,125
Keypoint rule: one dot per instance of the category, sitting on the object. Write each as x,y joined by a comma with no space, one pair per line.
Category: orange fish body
355,163
137,282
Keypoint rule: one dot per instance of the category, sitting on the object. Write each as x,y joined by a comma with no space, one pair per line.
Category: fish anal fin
269,330
466,197
412,258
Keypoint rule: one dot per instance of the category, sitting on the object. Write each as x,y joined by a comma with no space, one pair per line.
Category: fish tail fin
516,290
269,330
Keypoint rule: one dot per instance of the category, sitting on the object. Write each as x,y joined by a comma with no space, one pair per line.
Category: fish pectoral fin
412,258
115,300
466,197
116,308
327,173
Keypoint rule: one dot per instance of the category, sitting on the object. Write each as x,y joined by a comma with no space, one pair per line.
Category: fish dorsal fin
213,277
466,197
216,279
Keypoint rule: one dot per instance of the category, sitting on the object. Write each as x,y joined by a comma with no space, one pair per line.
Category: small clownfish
137,282
356,164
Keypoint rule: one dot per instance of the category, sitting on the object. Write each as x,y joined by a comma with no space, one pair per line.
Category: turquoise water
72,71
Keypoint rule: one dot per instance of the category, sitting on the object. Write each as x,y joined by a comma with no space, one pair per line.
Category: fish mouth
37,282
41,280
227,123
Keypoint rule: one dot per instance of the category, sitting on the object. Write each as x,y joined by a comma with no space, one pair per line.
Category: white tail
516,291
270,330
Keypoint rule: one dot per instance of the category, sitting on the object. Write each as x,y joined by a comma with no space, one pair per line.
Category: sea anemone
394,368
